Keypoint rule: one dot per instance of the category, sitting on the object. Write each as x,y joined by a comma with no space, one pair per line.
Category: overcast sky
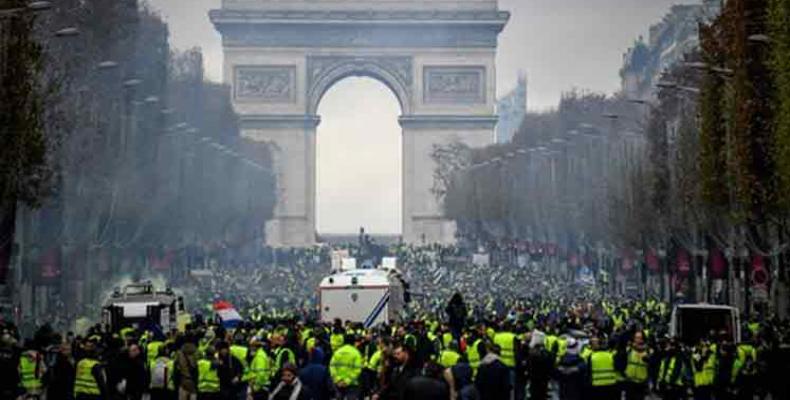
560,44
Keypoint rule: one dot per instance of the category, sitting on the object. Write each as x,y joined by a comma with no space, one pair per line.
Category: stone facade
437,57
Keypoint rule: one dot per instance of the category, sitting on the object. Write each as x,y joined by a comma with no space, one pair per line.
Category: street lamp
675,86
131,82
759,38
108,64
67,32
39,5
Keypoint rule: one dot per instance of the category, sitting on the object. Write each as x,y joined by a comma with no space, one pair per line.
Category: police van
367,296
140,302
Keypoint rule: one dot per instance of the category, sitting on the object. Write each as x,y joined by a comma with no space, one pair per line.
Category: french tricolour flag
227,313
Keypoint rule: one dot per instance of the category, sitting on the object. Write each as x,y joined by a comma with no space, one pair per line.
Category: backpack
159,374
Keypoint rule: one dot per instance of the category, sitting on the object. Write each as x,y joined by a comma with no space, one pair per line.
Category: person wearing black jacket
540,367
133,371
571,373
429,386
456,314
401,370
230,372
9,363
493,376
59,378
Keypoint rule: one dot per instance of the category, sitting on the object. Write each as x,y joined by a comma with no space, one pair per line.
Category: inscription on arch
454,85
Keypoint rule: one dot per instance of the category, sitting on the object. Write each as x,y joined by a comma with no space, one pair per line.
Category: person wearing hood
290,386
456,313
428,386
493,376
315,376
571,372
540,366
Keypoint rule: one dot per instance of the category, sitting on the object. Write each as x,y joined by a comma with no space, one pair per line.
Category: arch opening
359,159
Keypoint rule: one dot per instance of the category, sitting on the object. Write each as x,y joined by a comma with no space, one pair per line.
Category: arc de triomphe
437,57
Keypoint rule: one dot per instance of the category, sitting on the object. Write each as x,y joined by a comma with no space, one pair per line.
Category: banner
651,260
717,264
759,275
683,261
49,265
627,260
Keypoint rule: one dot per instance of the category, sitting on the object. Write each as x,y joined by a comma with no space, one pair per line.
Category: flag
227,313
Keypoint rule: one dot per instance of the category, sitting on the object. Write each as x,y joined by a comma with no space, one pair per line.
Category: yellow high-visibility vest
448,358
31,369
602,368
705,375
208,379
84,382
636,370
474,355
505,341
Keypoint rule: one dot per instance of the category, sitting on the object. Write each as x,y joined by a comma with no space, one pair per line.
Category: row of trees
703,168
131,158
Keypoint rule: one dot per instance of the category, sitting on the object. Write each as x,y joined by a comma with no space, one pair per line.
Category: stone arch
437,57
393,72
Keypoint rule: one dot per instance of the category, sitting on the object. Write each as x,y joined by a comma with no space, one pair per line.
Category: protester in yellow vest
260,371
208,384
31,370
506,341
161,375
240,351
152,350
475,353
603,376
672,373
89,382
703,366
450,355
636,370
345,368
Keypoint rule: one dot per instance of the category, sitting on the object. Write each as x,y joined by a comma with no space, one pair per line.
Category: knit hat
290,367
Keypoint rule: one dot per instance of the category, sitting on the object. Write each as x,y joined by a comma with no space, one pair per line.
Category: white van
691,322
368,296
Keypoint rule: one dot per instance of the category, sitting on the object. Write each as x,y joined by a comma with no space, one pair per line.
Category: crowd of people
485,332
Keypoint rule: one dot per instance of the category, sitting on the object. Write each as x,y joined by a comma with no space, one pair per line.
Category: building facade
677,34
511,109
